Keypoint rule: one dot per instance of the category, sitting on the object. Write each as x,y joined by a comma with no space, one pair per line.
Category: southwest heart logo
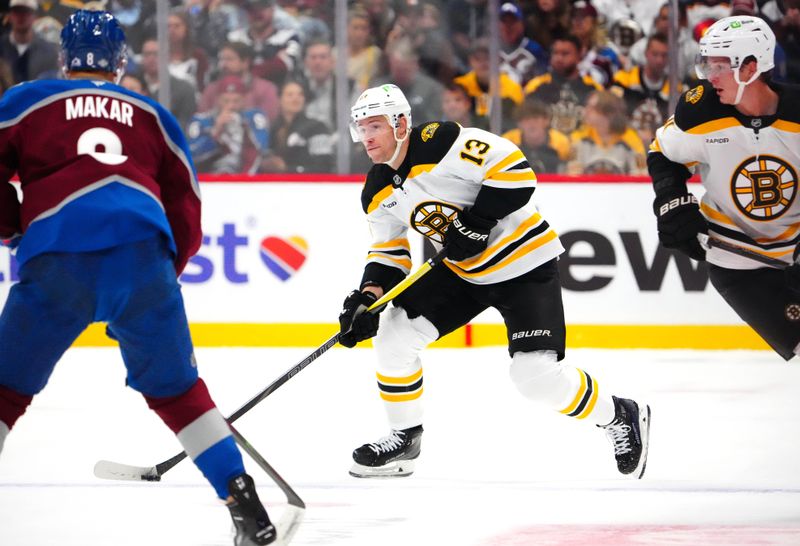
284,257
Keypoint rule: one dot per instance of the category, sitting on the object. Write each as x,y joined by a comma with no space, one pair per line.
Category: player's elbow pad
668,177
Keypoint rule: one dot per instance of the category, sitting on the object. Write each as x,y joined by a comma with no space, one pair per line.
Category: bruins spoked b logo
431,218
763,187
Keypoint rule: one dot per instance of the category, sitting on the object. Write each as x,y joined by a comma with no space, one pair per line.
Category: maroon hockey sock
12,405
179,411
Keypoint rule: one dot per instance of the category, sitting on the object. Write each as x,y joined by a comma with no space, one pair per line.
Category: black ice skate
253,527
629,433
390,457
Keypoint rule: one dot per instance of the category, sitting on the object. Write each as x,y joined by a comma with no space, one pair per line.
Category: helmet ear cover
93,41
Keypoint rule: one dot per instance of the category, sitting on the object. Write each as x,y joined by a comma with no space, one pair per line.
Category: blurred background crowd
581,85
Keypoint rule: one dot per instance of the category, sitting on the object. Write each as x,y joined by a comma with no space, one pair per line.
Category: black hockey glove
356,325
467,235
679,221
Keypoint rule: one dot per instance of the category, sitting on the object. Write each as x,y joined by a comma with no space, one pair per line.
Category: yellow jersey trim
379,197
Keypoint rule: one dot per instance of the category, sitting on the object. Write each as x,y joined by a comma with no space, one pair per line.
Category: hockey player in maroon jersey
741,133
110,216
469,191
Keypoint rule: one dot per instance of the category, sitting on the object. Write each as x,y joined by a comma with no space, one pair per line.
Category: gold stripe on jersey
417,170
714,125
394,253
393,260
655,146
379,197
505,162
788,126
526,175
400,389
523,250
585,399
715,215
523,228
392,245
790,233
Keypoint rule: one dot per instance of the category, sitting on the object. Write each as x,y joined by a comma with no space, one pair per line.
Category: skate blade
396,469
644,431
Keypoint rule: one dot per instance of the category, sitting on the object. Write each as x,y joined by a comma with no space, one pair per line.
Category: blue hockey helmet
93,41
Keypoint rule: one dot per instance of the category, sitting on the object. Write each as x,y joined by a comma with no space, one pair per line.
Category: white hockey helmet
738,38
385,100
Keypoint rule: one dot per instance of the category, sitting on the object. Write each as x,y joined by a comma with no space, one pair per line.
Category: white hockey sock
397,348
539,376
3,433
402,397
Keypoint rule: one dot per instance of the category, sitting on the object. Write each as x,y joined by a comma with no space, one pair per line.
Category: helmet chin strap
742,85
398,146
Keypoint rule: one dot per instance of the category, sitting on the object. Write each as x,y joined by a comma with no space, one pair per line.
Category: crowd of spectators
583,83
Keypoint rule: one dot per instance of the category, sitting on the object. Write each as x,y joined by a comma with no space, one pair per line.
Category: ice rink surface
495,469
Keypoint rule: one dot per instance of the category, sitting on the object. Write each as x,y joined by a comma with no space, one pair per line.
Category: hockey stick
708,242
109,470
293,498
293,514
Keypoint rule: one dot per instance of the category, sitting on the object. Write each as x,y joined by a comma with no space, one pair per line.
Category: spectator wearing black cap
276,52
522,58
562,86
476,82
28,55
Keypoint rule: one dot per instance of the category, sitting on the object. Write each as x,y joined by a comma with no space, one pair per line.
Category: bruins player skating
469,191
742,134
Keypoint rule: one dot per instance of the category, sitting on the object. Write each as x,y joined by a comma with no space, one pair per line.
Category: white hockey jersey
748,167
444,170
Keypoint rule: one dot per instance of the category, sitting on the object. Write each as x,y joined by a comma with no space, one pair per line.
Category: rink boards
278,257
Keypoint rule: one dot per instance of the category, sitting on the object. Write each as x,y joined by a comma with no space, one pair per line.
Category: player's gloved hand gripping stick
116,471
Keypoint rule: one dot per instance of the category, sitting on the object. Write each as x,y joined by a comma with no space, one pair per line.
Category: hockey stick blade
109,470
289,523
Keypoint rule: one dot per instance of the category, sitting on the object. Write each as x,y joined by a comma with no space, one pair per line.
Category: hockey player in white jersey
469,191
741,132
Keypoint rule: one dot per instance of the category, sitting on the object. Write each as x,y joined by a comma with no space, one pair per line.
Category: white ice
724,466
